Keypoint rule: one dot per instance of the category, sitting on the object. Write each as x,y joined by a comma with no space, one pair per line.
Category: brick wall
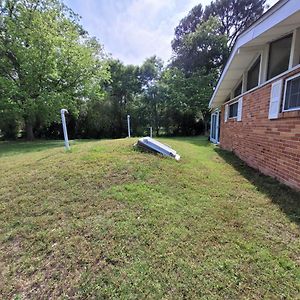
271,146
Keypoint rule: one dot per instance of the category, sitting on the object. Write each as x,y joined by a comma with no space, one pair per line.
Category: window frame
240,82
230,104
284,95
290,35
257,60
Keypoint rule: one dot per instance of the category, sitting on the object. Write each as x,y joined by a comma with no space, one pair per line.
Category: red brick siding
271,146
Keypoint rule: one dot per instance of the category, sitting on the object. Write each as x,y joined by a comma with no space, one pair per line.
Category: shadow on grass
9,148
14,148
200,140
286,198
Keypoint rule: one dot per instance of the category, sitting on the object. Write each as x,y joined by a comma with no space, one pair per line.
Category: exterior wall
271,146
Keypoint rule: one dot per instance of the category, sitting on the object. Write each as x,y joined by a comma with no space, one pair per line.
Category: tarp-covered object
152,145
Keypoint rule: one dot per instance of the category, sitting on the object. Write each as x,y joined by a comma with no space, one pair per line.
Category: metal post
151,131
63,119
128,125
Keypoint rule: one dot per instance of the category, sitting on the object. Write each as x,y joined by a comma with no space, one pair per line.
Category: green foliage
187,98
201,47
9,115
205,48
47,61
187,25
150,71
234,16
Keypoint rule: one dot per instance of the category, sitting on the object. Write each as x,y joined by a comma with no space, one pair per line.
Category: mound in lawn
106,221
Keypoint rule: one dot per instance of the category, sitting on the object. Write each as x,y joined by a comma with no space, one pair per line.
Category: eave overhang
281,19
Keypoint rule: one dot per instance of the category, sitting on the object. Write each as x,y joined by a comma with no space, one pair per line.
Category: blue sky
133,30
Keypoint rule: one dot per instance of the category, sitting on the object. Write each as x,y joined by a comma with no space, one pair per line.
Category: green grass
105,221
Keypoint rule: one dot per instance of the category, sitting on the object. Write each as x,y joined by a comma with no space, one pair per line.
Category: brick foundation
271,146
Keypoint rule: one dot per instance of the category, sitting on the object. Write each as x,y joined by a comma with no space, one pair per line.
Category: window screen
279,56
233,110
253,75
238,90
292,96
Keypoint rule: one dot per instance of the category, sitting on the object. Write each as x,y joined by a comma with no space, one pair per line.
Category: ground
105,221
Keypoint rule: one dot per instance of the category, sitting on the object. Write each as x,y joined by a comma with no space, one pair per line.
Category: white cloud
133,30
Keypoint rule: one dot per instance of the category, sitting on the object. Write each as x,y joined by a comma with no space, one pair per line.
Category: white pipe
63,119
151,131
128,125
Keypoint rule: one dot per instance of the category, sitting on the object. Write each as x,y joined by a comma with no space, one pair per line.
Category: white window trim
226,112
236,101
295,48
284,96
275,99
240,110
264,65
265,83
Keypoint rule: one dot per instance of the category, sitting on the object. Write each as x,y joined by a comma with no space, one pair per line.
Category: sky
133,30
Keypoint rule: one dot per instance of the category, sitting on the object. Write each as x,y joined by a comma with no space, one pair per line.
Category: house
256,103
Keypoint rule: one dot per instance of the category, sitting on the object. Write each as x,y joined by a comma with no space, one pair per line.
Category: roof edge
236,46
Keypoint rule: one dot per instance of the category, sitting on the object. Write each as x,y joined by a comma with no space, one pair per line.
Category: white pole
151,131
63,119
128,125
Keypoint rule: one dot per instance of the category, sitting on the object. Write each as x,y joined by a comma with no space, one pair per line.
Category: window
238,90
292,93
253,75
279,56
233,110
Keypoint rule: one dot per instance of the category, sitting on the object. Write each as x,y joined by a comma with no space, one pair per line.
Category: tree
187,98
150,74
234,16
203,49
187,25
47,60
122,89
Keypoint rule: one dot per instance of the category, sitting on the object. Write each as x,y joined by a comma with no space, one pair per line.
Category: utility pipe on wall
63,119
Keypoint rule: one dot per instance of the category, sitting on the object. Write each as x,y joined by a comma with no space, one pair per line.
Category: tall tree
205,48
234,15
150,74
122,89
47,60
187,97
187,25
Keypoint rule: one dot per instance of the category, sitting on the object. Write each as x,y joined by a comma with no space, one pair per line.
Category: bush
9,128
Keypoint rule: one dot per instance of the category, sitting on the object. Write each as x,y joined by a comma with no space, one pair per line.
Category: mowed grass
105,221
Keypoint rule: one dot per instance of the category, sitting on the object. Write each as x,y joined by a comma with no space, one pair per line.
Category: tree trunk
205,127
157,130
29,131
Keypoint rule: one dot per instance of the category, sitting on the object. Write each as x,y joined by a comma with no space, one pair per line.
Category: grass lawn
107,222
